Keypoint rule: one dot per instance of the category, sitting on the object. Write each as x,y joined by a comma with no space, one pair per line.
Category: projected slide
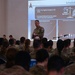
55,12
67,27
55,16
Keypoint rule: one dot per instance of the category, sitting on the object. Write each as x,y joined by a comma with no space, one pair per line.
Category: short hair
17,42
41,55
44,40
11,41
50,43
10,36
46,44
60,46
10,56
67,42
36,43
37,20
27,42
22,39
23,59
11,53
55,63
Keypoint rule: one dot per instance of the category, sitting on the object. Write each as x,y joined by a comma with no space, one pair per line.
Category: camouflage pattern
66,52
70,70
51,52
33,54
39,31
38,70
15,70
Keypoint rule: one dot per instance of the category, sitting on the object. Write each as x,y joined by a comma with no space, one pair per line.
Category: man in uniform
38,31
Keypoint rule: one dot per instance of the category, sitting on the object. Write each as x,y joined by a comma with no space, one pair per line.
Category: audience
21,67
15,57
10,58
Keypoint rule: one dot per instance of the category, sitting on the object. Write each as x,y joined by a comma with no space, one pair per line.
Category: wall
2,17
17,18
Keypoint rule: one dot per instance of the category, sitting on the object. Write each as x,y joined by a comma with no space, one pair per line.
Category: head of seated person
60,46
67,43
11,37
44,39
22,40
50,44
11,42
37,44
55,65
10,56
42,57
23,59
41,63
27,42
46,46
17,42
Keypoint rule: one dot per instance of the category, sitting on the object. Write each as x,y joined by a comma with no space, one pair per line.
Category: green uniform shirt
38,70
39,31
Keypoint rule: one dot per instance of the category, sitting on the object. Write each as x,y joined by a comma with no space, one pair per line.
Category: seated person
40,67
10,59
55,65
21,67
37,45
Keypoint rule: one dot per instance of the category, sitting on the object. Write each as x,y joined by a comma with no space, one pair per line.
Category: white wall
2,17
17,18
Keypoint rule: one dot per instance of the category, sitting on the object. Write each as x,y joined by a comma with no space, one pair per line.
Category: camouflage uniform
39,31
33,54
15,70
70,70
51,52
38,70
66,53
